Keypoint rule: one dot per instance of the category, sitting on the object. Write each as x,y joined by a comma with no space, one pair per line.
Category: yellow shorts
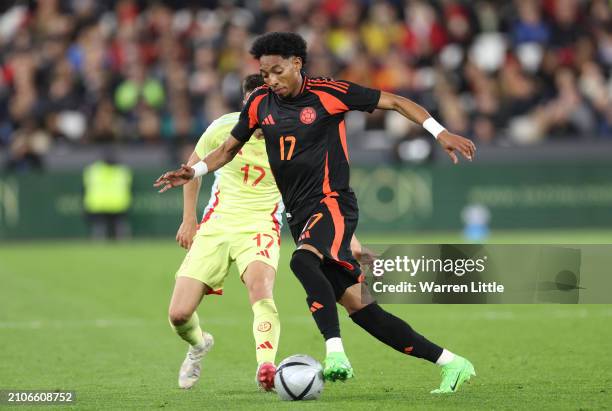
209,258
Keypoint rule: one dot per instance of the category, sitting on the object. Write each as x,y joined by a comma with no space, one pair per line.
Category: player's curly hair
283,44
251,82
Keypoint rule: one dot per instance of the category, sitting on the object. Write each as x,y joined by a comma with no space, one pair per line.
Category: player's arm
212,162
409,109
189,225
241,133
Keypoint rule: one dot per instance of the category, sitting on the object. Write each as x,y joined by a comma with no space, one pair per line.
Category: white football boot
189,373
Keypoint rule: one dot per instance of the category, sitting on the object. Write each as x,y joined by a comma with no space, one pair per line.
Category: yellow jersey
244,196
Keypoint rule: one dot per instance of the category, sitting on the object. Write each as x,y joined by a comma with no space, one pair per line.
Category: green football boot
454,374
337,367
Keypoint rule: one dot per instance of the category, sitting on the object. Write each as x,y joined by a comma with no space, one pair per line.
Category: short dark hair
251,82
282,44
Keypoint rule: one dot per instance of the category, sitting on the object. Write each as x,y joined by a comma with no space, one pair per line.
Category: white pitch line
97,323
118,323
491,315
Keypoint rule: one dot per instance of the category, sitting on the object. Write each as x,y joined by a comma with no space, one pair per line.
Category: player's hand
174,178
365,256
185,233
453,142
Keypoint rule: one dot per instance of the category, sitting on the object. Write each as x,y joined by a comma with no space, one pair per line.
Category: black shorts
330,228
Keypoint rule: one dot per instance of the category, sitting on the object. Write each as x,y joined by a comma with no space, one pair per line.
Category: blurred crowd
84,71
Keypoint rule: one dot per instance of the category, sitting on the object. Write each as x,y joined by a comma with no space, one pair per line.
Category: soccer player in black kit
302,120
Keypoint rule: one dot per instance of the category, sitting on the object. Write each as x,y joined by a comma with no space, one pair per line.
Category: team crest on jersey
308,115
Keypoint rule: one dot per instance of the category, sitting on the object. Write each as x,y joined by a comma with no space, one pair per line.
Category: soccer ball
299,377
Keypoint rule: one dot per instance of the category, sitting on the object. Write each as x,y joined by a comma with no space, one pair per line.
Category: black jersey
306,137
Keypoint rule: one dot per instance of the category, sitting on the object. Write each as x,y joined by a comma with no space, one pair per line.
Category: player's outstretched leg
306,266
185,322
397,334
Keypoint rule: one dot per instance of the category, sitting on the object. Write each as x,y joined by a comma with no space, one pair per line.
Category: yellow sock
266,330
190,331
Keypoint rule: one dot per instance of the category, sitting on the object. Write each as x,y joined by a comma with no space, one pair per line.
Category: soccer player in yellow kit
241,224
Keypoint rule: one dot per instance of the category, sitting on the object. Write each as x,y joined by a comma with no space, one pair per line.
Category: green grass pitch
92,318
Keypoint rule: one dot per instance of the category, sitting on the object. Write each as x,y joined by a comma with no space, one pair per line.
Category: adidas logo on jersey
268,121
265,253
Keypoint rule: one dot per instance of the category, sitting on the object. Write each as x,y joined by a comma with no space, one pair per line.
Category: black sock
395,332
319,292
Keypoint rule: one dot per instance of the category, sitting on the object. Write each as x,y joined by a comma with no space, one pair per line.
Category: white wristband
200,168
433,127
